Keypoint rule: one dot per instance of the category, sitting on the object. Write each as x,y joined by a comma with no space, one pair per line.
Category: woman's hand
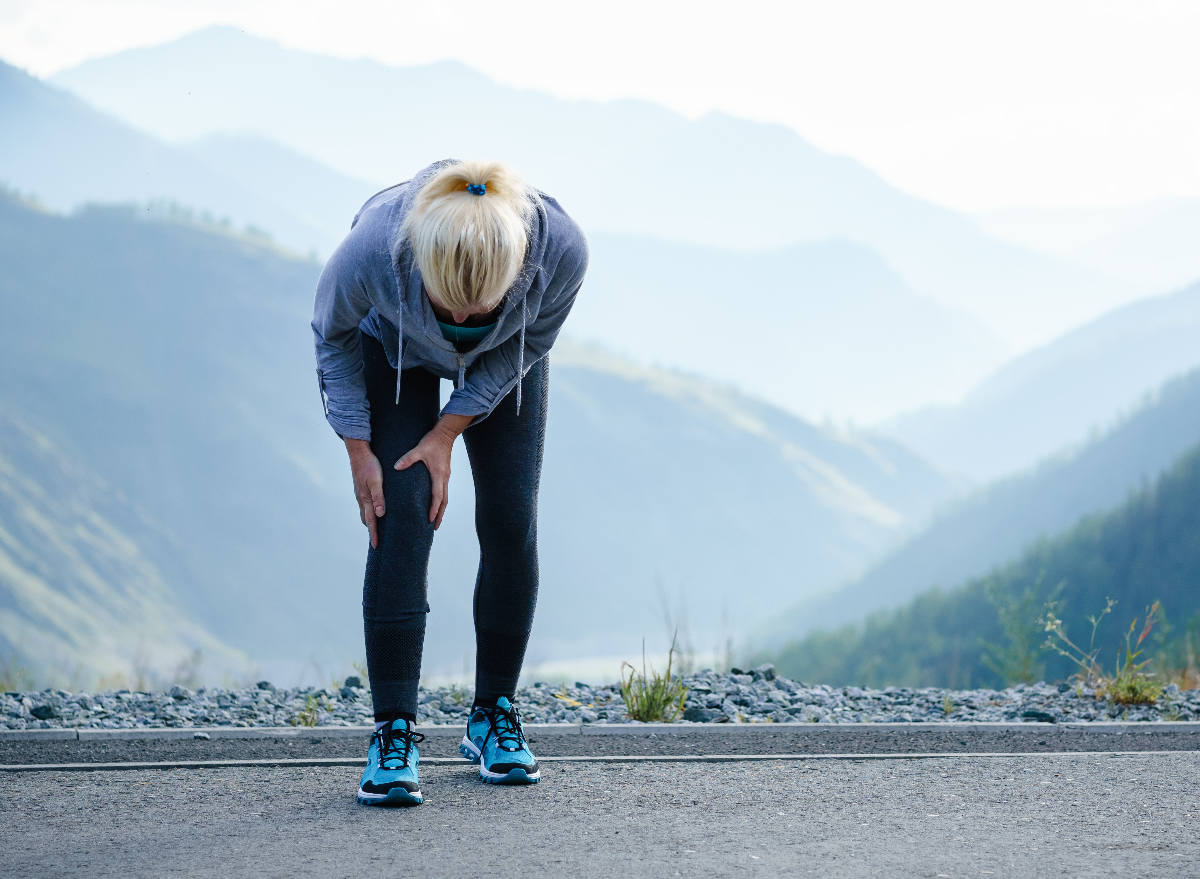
434,451
368,485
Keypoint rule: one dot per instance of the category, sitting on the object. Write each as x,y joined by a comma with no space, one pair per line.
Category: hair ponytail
468,229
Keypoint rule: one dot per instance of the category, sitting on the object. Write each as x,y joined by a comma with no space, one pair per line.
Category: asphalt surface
809,739
1072,815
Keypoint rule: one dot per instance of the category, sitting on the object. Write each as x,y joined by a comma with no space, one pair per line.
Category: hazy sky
974,105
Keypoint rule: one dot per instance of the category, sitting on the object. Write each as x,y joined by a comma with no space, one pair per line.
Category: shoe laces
396,745
506,724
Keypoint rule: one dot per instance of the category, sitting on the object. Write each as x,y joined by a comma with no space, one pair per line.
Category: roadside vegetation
991,632
1129,684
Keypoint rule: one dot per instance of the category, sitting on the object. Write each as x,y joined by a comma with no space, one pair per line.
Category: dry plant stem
1089,670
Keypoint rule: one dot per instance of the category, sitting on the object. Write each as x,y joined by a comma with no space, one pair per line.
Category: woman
467,274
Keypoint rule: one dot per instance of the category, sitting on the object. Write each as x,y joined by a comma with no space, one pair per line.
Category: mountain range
1058,396
160,347
825,329
173,362
625,167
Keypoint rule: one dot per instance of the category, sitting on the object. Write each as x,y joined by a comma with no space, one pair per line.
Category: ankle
486,702
382,718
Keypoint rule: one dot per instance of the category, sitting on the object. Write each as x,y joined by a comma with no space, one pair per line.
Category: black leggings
505,451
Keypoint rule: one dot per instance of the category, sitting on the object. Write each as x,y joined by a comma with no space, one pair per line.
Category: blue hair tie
477,188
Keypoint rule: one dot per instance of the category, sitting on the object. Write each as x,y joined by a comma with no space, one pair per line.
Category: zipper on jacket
321,391
462,371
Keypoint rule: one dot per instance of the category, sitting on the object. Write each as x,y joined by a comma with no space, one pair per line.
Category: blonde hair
470,248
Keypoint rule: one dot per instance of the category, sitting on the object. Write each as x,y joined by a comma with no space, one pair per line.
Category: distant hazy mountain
625,167
1059,394
317,196
59,149
176,363
1143,551
996,524
1156,243
847,337
822,329
79,598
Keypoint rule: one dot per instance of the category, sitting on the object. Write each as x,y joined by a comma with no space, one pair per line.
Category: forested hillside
80,599
995,524
1147,550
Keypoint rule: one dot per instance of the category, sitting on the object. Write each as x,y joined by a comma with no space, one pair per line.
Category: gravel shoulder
1021,816
756,696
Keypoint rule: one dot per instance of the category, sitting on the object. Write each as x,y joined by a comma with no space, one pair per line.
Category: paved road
1023,816
758,739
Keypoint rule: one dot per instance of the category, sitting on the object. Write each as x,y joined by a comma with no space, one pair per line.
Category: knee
407,493
506,532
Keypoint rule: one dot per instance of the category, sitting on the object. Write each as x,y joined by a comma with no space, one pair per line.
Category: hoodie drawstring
399,349
462,361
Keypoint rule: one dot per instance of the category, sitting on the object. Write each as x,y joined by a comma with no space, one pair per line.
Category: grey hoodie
371,281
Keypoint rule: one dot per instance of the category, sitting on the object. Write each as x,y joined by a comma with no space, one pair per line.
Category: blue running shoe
496,742
390,778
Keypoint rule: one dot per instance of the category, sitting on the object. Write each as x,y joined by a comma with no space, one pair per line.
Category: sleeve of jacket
494,374
344,297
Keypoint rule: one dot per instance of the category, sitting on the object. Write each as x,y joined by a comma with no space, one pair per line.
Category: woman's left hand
434,451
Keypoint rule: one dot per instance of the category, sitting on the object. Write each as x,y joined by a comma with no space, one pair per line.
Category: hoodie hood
416,312
372,285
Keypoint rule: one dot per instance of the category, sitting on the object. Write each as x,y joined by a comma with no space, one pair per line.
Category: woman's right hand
368,485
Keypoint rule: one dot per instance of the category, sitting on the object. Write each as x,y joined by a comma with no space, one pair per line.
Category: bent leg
506,463
396,586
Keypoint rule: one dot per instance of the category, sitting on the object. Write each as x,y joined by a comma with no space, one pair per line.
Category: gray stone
178,692
1039,716
765,672
696,714
352,681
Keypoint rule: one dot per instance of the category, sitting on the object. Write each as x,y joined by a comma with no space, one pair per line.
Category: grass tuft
653,697
311,712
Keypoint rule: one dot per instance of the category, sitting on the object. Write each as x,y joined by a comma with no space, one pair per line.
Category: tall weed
1130,683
